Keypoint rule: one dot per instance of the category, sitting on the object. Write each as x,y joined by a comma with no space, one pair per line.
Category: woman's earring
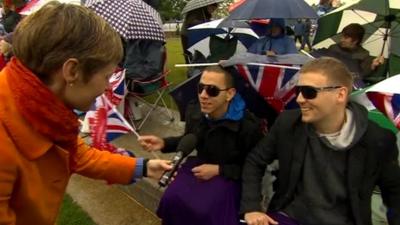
71,84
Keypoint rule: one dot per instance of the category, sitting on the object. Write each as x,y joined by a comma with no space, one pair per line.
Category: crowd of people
331,156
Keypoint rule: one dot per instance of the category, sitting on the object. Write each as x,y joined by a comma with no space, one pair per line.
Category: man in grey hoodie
331,157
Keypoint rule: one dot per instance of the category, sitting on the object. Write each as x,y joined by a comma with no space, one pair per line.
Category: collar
27,140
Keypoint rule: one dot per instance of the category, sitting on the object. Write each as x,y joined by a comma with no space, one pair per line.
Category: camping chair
138,91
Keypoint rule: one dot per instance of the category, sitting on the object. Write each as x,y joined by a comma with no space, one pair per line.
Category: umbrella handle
389,19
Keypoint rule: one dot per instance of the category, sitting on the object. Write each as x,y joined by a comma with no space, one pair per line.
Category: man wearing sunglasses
206,189
330,157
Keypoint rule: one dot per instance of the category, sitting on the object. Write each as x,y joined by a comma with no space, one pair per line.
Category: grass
72,214
176,74
175,56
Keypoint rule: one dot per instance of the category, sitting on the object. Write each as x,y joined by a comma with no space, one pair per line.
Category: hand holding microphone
184,148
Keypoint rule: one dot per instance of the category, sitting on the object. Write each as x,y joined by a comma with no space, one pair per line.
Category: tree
171,10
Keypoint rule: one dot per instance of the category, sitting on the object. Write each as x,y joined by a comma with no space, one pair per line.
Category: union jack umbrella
132,19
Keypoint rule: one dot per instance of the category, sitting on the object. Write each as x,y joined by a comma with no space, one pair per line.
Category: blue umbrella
261,9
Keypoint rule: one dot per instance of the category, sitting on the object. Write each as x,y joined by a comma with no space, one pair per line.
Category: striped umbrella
381,20
132,19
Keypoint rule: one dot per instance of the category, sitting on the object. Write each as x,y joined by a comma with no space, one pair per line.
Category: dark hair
354,31
229,81
46,39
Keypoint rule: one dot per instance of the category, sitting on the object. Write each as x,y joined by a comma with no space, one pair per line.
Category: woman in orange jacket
64,56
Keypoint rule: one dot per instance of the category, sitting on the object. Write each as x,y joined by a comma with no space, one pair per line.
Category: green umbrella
360,97
381,20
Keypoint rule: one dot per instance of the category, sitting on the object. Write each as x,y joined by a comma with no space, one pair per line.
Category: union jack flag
117,90
107,124
388,104
274,84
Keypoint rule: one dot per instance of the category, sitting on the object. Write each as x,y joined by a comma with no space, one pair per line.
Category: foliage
171,9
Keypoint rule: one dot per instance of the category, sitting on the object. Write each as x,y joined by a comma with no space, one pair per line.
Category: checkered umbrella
196,4
132,19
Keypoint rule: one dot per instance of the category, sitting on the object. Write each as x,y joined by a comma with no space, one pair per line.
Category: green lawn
177,74
175,56
72,214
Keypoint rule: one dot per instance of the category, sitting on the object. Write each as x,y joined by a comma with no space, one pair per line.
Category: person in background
306,35
324,7
298,31
331,157
10,17
275,42
5,50
350,46
207,187
58,67
193,18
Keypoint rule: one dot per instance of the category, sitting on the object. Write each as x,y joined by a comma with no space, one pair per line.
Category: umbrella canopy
381,20
207,39
196,4
132,19
35,5
201,31
385,97
260,9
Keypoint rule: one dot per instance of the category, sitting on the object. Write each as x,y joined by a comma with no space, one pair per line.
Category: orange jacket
34,172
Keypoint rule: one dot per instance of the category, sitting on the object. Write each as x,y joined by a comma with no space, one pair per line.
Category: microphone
184,148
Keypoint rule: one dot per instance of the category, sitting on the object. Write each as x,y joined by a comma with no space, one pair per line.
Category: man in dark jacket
349,48
207,187
331,157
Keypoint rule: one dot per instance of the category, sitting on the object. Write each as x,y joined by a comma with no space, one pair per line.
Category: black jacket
372,161
225,143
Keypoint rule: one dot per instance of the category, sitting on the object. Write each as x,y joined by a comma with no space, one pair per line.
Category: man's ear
230,94
343,94
70,71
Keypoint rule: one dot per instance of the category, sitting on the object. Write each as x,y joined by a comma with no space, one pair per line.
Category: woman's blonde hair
44,40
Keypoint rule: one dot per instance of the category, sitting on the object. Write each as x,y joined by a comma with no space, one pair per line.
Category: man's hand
377,61
258,218
271,53
206,171
156,167
151,143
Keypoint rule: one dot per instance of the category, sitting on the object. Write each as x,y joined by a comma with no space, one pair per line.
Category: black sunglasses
211,90
310,92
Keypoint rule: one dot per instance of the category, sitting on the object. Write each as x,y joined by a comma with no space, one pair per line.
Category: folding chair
138,90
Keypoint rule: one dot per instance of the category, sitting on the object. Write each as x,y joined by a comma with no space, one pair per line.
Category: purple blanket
190,201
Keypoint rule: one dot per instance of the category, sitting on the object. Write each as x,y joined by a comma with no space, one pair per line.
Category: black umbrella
266,9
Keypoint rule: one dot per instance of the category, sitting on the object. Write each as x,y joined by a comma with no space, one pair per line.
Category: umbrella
35,5
132,19
207,39
196,4
381,20
382,101
260,9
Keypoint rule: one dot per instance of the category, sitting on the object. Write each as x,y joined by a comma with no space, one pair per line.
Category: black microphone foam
184,148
